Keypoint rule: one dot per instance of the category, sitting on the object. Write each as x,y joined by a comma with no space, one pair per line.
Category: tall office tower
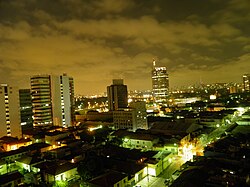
160,83
25,108
10,124
51,100
140,114
246,82
117,95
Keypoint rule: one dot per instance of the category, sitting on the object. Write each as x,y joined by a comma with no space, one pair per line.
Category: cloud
236,68
143,31
112,6
18,32
96,41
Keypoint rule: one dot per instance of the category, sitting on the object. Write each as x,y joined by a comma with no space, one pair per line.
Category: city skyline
97,41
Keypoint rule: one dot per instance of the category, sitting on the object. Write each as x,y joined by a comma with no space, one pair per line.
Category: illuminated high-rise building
10,124
246,82
25,108
117,95
52,100
160,83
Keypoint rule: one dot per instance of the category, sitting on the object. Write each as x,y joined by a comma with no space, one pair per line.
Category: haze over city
97,41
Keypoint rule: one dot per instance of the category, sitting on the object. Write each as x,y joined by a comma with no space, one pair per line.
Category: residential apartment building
10,123
52,100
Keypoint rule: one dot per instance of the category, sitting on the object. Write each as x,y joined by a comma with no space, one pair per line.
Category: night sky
95,41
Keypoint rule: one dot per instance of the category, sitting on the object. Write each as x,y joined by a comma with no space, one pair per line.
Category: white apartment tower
52,100
10,123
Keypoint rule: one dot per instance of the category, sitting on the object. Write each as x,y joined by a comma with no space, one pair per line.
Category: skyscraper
52,100
10,124
117,95
160,83
246,82
25,108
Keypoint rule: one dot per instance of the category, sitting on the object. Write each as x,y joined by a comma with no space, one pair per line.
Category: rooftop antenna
154,63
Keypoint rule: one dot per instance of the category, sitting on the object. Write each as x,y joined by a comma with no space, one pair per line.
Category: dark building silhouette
25,108
117,95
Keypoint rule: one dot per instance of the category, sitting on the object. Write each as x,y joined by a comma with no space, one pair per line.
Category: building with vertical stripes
160,83
52,100
10,124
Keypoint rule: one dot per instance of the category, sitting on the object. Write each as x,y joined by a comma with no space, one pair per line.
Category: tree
90,167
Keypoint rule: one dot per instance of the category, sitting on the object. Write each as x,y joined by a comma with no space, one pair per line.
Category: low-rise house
175,128
158,163
170,145
39,148
52,137
54,171
60,152
36,135
134,171
212,118
136,140
9,143
11,156
27,163
11,179
110,179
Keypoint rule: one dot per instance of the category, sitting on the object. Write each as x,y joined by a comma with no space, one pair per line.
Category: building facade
10,124
141,114
117,95
132,118
25,108
125,119
52,100
246,82
160,83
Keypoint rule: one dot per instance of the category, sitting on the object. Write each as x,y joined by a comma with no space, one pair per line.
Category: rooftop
55,168
108,179
8,177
